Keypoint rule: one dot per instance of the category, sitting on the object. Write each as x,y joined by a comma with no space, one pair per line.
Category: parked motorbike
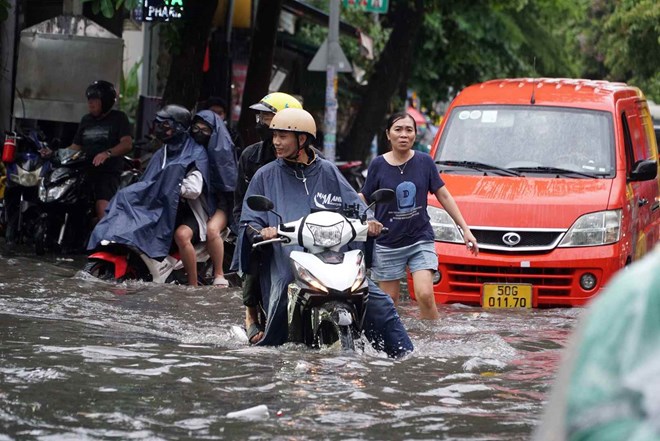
354,172
66,210
25,167
118,262
327,299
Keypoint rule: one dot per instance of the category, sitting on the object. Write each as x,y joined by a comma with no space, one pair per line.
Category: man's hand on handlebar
268,233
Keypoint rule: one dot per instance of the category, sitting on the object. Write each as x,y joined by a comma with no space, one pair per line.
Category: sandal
253,330
221,282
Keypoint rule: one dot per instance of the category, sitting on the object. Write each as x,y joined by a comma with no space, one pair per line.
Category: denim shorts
390,263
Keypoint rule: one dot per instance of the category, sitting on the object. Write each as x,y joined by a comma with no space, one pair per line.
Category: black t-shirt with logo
98,135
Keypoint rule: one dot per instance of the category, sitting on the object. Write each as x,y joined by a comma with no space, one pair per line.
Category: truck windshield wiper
557,171
478,166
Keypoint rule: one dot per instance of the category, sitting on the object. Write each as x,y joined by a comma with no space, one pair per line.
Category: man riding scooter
170,201
298,181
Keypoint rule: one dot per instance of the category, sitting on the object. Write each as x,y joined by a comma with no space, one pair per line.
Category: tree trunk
383,84
260,65
185,78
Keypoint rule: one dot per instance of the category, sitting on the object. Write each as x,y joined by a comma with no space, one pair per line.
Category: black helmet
177,117
104,91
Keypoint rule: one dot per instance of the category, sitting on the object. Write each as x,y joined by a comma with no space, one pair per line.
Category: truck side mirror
643,170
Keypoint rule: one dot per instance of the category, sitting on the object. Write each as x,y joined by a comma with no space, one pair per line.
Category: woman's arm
447,200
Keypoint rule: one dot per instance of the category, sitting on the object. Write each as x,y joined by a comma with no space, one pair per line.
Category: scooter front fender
120,263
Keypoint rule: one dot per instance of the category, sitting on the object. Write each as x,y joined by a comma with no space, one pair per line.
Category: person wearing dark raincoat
170,201
297,182
252,159
210,131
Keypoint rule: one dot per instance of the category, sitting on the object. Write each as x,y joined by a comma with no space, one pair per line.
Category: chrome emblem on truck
511,239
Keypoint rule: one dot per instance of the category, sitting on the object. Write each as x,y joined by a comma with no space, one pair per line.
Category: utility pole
8,50
332,60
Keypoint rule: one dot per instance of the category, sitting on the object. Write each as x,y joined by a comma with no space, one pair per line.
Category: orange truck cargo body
557,179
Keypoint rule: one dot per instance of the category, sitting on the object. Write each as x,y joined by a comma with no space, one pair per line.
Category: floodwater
84,359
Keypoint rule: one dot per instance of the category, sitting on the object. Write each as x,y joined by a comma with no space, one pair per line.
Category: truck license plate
506,296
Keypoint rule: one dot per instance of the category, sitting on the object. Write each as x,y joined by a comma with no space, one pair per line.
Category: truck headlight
444,227
601,228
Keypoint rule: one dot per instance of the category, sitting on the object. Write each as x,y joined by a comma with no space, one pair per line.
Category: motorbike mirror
260,203
383,195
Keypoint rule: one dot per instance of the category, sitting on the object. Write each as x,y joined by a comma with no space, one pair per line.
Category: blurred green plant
108,7
4,9
129,91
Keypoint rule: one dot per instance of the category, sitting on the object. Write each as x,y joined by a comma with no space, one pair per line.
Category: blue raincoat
296,191
222,154
143,214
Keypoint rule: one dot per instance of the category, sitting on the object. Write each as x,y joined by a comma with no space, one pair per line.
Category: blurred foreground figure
609,383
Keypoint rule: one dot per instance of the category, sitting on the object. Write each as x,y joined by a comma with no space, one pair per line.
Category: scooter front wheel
329,333
100,269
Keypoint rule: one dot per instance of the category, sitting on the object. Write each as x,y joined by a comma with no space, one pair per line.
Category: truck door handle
642,201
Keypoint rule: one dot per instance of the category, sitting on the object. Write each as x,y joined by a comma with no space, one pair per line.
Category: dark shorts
222,203
103,185
185,216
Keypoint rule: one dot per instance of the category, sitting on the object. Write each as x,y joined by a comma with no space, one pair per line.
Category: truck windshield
530,139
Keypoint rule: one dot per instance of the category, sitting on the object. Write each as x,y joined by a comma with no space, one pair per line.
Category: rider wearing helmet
104,135
171,125
298,182
252,159
169,206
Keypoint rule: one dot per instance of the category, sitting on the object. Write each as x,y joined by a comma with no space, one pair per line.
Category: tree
185,77
188,45
260,65
621,40
407,17
458,43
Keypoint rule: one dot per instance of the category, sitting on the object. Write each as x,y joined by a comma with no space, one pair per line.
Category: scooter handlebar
263,242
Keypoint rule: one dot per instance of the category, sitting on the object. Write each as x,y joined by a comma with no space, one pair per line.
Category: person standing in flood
410,241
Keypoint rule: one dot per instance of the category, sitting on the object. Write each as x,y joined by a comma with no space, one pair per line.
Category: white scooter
327,299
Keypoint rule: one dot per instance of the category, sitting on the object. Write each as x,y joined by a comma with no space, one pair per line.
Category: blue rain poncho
607,388
296,191
222,154
143,214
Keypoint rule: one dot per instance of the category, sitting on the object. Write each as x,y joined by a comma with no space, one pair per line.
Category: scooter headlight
28,178
601,228
326,236
306,277
444,227
56,192
362,271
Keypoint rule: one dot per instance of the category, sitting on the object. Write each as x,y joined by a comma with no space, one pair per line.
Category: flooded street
83,359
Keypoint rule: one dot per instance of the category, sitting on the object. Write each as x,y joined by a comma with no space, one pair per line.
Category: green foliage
129,89
108,7
630,44
4,9
367,23
467,42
